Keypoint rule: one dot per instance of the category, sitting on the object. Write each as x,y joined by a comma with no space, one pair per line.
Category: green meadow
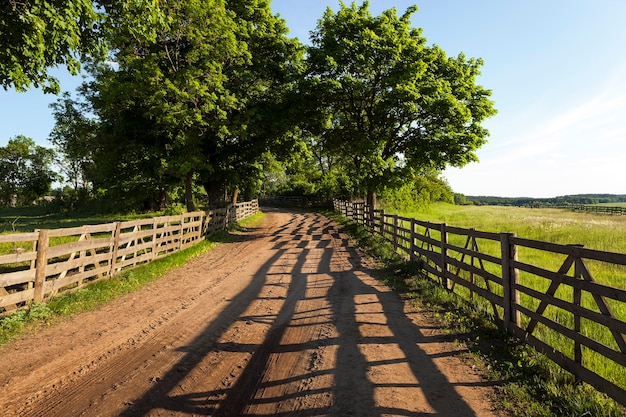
593,231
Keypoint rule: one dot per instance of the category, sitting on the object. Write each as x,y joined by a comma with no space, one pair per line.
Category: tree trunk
371,199
235,197
215,192
191,206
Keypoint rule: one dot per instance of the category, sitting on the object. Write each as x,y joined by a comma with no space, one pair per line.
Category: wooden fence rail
614,210
44,263
560,299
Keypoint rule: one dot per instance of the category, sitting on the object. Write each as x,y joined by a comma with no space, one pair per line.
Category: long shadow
353,391
437,389
351,364
157,395
242,393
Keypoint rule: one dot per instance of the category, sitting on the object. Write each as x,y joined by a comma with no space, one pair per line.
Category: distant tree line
203,102
566,200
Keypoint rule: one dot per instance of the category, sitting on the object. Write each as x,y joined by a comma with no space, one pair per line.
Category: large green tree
264,84
25,171
73,136
385,103
201,95
38,34
164,94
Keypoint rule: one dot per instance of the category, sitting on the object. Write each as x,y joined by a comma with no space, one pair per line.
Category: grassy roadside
528,384
101,292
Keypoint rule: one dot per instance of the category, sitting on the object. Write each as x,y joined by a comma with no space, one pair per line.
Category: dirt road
286,320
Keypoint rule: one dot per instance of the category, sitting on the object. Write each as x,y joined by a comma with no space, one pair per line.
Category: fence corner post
510,277
41,263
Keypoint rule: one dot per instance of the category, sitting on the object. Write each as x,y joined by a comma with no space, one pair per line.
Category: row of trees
566,200
212,98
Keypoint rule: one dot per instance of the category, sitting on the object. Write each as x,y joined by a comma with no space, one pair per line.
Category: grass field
593,231
619,204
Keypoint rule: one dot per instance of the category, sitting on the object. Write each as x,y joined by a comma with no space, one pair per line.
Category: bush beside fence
45,263
546,294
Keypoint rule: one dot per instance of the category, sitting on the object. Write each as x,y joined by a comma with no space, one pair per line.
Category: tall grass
593,231
529,384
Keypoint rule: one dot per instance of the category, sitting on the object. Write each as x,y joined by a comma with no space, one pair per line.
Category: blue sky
557,70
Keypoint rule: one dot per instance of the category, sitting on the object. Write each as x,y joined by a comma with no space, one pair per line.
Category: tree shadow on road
308,249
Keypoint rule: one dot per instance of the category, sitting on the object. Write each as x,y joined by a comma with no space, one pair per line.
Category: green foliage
38,34
262,121
162,97
385,104
420,192
565,200
197,96
20,320
73,136
25,171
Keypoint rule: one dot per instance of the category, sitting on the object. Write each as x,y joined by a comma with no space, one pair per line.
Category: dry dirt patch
287,320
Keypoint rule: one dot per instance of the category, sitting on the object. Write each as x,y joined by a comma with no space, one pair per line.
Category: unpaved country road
286,320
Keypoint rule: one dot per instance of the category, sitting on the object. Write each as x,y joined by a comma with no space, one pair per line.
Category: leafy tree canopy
38,34
73,136
200,94
387,104
25,171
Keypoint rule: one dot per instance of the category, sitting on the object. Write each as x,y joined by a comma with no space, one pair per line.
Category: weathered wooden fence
44,263
566,301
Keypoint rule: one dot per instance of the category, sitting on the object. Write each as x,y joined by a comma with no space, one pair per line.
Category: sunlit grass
529,384
594,231
599,232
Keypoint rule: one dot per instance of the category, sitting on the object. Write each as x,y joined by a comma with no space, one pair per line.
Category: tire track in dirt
285,321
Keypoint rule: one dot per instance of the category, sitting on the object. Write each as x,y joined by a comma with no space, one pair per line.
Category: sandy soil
287,320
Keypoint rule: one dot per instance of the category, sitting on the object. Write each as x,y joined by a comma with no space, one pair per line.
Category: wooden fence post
201,227
181,230
116,246
444,255
578,273
412,246
395,232
382,223
510,277
155,245
41,263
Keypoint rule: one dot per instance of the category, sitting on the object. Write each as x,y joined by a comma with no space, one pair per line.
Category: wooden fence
560,299
44,263
614,210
